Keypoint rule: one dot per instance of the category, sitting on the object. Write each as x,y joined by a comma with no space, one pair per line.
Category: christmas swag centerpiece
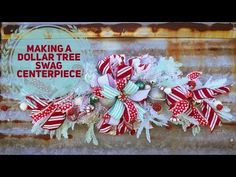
128,95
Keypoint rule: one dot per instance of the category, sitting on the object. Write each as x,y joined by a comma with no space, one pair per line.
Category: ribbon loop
116,112
109,92
131,88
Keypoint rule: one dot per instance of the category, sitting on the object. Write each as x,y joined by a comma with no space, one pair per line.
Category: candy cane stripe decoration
104,66
178,93
208,116
222,90
124,72
211,116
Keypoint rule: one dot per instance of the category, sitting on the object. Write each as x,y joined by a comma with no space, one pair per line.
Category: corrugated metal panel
209,47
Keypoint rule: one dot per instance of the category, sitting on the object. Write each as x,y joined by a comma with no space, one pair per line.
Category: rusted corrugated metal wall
209,47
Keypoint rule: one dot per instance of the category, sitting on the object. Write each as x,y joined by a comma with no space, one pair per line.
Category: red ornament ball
219,107
157,106
190,95
192,84
71,112
4,108
169,126
132,132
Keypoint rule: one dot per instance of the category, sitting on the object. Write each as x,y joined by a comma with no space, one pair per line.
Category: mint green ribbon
117,110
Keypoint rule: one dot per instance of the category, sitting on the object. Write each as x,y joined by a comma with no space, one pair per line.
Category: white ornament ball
217,102
23,106
198,101
156,94
90,108
147,87
162,88
107,102
167,90
153,82
78,101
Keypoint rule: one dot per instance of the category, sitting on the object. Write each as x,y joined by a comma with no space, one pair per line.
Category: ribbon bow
54,111
116,84
182,100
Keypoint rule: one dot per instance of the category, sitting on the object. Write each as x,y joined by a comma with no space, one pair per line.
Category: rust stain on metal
234,64
233,123
175,26
122,27
119,28
171,29
8,29
94,27
13,121
43,137
173,49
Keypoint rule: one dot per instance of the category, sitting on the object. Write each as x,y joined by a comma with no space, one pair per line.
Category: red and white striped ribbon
208,116
54,111
211,116
124,71
119,129
55,120
205,93
176,95
36,103
119,67
106,65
